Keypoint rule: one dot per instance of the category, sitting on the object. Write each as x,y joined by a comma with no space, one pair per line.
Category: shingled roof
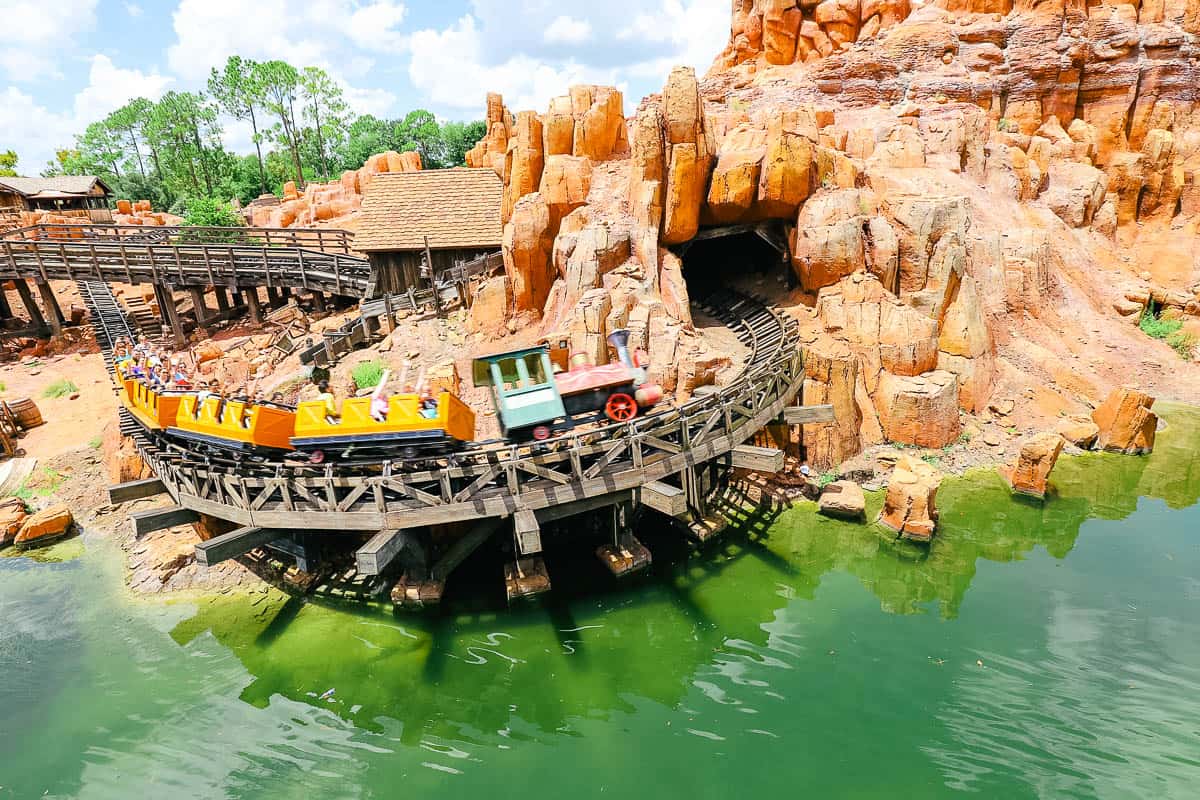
456,208
61,185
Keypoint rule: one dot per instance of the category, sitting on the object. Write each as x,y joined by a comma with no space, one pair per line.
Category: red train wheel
620,408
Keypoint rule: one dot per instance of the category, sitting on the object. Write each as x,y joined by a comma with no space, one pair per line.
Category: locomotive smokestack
619,339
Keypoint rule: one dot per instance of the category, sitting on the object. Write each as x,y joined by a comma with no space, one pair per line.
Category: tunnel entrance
719,256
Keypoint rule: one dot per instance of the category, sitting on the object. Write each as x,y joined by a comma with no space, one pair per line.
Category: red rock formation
1127,425
44,526
910,505
1036,459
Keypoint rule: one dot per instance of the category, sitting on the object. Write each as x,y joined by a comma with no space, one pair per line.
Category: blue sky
70,62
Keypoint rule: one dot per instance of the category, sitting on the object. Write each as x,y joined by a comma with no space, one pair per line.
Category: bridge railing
327,240
130,260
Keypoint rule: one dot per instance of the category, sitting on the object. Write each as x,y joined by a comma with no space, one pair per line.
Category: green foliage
8,163
96,442
827,478
1168,327
931,459
39,484
208,212
367,374
60,388
172,149
3,386
964,437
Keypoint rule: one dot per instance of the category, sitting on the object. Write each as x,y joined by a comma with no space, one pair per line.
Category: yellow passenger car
409,427
153,409
233,424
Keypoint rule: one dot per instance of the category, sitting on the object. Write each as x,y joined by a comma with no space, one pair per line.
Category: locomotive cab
524,392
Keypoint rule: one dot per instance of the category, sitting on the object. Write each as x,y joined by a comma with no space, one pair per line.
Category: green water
1032,651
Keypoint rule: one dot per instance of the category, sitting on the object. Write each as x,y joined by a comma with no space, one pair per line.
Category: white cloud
516,47
447,67
40,33
35,132
133,9
567,30
327,33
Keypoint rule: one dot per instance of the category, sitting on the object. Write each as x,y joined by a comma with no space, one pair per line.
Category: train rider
332,415
428,404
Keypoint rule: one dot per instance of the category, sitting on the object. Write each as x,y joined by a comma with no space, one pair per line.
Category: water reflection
591,651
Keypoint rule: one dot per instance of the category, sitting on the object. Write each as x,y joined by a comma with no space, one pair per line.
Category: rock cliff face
975,194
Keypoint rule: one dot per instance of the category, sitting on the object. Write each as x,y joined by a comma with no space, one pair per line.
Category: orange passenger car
233,424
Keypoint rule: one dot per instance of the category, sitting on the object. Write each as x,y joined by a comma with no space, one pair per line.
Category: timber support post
53,313
198,306
170,314
35,313
5,308
251,295
222,300
318,298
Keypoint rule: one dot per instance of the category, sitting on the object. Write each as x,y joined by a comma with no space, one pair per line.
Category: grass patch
367,374
1169,328
96,442
41,483
3,386
60,388
932,460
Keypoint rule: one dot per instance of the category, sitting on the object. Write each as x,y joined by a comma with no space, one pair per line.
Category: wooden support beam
53,312
222,300
759,459
564,510
527,532
233,544
374,556
5,308
806,415
458,552
31,308
256,315
319,301
170,314
135,490
664,498
159,519
198,306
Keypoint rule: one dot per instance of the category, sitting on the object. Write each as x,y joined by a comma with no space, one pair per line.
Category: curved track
491,478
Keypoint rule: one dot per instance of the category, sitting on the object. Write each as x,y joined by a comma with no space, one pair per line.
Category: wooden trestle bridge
669,461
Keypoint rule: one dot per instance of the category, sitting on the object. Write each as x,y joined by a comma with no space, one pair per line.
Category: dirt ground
71,424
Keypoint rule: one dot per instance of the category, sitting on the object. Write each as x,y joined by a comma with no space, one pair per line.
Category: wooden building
63,193
455,213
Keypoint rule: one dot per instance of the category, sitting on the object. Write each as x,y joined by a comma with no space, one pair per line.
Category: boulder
910,505
920,410
44,526
526,157
208,351
12,517
566,181
599,119
735,177
786,173
842,499
1034,462
1126,423
489,309
1078,430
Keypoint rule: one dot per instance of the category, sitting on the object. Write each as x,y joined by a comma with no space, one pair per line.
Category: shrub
209,212
367,374
1168,327
60,388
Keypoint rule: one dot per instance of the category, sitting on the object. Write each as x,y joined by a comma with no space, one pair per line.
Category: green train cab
526,397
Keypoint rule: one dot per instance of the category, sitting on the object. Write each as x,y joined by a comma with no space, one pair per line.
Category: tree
279,81
326,108
240,92
185,126
210,212
419,130
127,122
8,164
100,149
457,139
